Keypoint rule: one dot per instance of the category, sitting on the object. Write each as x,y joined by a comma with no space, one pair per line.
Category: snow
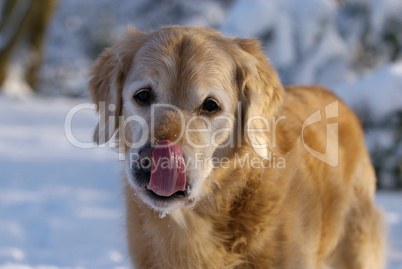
62,207
250,20
320,41
391,202
382,11
379,93
302,42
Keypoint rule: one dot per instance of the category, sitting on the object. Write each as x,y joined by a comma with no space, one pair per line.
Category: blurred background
61,206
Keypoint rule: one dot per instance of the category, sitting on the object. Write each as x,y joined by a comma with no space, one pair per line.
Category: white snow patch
56,201
115,256
303,38
15,253
380,92
393,218
25,266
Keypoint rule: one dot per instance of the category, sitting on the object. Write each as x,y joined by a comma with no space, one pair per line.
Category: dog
226,168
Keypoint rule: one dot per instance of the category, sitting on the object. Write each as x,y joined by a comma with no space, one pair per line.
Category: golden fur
305,215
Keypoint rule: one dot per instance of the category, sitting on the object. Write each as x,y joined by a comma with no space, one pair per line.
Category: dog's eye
143,96
210,105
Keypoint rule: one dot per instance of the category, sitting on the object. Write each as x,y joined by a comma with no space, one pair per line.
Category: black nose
145,158
142,164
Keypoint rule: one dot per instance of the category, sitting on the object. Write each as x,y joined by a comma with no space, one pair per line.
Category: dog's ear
107,79
261,92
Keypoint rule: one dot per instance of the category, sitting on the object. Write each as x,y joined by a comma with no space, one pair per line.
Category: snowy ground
61,206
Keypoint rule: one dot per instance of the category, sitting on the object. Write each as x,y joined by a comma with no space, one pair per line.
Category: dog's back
335,192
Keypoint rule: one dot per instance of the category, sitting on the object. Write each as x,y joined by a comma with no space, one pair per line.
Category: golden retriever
226,168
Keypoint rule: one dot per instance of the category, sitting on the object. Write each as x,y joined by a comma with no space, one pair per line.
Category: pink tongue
168,173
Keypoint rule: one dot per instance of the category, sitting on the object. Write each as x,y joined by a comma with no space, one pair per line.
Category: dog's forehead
186,67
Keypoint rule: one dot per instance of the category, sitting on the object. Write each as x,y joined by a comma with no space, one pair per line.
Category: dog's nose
145,160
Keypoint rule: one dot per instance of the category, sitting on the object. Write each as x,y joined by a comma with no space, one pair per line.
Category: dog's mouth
168,172
163,181
179,195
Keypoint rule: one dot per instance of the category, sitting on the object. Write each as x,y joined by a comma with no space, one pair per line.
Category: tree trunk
24,22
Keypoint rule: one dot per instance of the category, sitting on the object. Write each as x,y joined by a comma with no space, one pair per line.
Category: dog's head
178,99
